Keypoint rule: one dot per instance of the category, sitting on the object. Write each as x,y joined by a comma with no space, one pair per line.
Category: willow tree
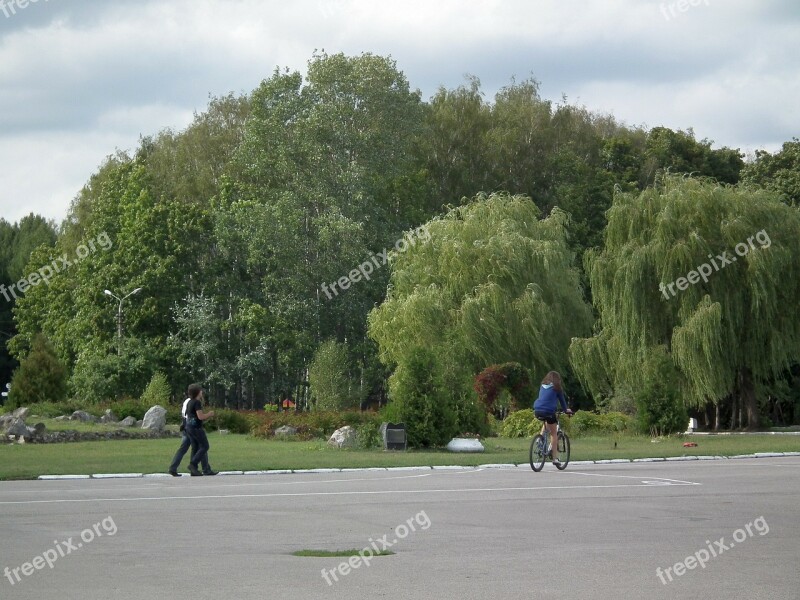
492,283
707,273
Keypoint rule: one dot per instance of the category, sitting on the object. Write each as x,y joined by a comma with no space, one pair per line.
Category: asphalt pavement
700,529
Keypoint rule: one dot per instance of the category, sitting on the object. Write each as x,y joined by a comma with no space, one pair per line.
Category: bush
329,378
158,391
368,436
125,407
422,400
40,377
232,420
520,423
584,422
50,410
660,408
310,425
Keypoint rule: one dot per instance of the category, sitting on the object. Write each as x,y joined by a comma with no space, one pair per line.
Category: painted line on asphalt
346,493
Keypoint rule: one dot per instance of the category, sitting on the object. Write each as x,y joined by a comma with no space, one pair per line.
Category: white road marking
346,493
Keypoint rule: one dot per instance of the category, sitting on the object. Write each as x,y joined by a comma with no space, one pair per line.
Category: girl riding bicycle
551,398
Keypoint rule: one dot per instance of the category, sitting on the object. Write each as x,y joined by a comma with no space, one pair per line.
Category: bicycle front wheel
538,452
563,450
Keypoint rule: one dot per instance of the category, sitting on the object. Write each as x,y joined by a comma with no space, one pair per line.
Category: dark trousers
186,442
198,437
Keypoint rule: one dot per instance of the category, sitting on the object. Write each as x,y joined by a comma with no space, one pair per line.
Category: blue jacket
549,399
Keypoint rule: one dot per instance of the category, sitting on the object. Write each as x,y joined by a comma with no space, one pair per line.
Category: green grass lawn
240,452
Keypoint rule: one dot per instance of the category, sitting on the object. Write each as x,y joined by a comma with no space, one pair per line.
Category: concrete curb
605,461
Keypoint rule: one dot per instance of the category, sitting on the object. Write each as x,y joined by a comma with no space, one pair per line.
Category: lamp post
119,313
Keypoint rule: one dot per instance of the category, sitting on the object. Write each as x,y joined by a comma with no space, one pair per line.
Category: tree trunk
716,416
748,400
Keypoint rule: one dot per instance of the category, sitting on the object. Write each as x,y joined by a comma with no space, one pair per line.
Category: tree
420,400
493,284
779,172
41,377
706,271
329,378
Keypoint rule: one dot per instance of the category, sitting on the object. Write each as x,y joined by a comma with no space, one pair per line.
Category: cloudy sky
80,79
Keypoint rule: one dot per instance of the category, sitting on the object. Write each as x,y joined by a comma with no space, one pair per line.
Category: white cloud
79,79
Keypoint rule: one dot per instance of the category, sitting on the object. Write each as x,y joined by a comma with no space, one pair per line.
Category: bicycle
540,448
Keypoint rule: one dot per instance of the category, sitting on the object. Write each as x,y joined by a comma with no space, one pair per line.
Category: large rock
21,413
155,418
344,437
109,417
83,416
18,428
6,419
128,422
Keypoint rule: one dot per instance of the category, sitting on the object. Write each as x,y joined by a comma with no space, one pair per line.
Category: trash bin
394,436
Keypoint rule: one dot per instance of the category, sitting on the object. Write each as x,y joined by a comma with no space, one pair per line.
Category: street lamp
119,312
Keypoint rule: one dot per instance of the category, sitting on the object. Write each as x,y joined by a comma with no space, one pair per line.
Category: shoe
174,473
210,473
557,462
193,471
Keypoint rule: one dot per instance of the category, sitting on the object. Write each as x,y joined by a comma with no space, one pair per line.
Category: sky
82,79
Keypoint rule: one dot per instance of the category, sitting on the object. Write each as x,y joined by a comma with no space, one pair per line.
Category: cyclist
551,398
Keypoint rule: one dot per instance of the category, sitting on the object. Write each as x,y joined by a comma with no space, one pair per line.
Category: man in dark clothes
195,416
186,442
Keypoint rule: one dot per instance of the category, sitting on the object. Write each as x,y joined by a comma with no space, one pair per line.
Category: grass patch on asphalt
244,453
334,553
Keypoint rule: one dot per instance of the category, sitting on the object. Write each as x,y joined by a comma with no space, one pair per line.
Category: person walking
186,443
195,417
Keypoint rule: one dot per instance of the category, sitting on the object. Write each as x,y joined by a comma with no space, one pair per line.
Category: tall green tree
779,172
494,283
705,272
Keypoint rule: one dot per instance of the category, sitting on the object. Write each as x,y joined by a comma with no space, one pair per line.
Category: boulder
285,430
109,417
18,428
21,413
6,419
39,429
83,416
155,418
344,437
128,422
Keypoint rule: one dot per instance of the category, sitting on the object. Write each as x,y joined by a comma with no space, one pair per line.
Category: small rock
285,430
128,422
109,417
62,418
83,416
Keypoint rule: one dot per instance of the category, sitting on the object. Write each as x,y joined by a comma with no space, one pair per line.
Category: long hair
554,378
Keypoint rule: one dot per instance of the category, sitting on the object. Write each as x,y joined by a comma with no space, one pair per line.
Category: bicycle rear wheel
563,450
538,452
